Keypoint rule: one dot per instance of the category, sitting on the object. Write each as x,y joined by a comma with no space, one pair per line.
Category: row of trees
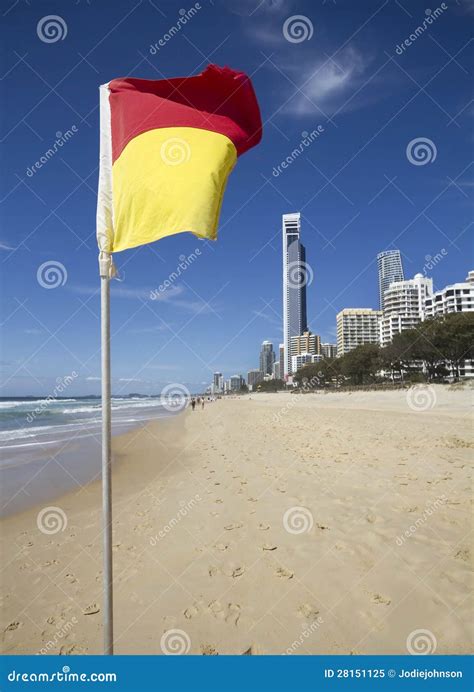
433,348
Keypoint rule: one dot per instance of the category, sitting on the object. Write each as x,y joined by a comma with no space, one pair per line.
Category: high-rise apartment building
276,370
267,358
281,360
236,382
253,378
217,383
390,269
404,306
305,343
328,350
454,298
294,284
357,326
301,359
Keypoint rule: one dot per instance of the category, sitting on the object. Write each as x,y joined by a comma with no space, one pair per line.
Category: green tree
362,364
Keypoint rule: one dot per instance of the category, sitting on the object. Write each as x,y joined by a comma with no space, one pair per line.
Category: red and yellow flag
167,148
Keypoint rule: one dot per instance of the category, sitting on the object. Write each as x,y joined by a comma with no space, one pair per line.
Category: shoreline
306,495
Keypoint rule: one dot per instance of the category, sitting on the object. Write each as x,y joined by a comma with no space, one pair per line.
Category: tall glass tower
294,284
267,358
390,269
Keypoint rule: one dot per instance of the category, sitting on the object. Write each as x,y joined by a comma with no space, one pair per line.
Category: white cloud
93,379
328,85
5,246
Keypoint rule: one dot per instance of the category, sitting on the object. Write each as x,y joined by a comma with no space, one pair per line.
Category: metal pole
105,264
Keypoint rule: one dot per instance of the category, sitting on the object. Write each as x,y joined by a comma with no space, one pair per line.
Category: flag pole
105,264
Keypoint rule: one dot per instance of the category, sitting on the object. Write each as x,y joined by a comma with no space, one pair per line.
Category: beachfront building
390,269
294,285
301,359
276,371
267,358
454,298
357,326
305,343
253,378
236,382
329,350
404,306
281,360
217,383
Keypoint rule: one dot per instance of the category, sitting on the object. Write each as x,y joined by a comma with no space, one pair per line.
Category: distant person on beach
193,403
202,403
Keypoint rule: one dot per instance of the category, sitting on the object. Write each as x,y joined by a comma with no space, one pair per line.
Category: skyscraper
281,360
390,269
294,284
267,358
217,383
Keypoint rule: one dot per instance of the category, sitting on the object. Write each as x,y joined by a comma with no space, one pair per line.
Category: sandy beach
267,524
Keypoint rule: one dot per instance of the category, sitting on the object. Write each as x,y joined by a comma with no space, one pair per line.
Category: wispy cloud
5,246
328,84
268,317
171,296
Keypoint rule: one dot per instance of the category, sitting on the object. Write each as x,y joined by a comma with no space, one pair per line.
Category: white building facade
454,298
404,306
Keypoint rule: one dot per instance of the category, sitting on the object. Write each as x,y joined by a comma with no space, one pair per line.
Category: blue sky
355,186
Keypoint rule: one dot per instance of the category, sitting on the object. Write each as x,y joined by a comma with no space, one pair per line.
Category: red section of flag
218,99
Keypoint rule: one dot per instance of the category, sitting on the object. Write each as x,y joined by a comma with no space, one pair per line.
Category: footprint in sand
208,650
190,612
222,546
284,573
235,525
269,546
380,600
264,527
68,649
91,609
463,554
230,613
12,626
71,578
308,611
